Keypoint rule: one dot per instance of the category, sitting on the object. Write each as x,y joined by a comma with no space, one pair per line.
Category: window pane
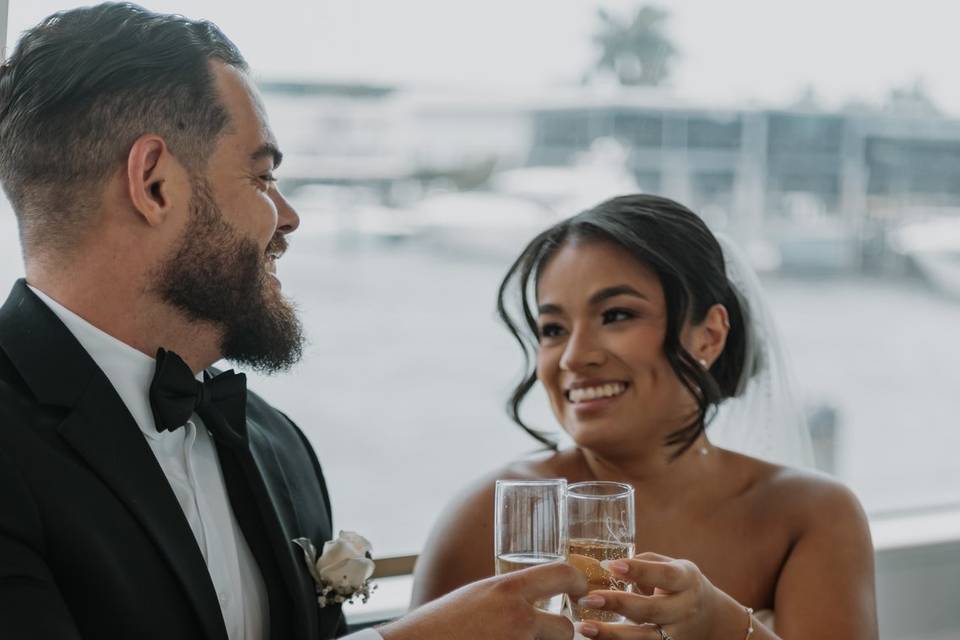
427,140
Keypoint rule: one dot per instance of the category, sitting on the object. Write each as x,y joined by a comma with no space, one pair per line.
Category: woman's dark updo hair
676,244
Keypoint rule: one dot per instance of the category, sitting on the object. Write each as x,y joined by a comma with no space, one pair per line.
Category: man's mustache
278,245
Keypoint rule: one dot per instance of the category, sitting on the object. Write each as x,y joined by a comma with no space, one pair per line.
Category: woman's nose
582,350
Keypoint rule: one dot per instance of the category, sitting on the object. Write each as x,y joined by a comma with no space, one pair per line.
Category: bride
642,331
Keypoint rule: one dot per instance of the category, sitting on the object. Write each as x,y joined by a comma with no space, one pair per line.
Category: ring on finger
663,634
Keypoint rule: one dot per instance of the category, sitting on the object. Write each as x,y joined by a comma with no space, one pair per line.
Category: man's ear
154,179
710,336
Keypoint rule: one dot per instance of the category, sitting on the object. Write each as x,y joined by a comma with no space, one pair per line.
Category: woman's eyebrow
604,294
612,292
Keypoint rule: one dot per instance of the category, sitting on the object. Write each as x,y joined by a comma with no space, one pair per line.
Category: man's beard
216,275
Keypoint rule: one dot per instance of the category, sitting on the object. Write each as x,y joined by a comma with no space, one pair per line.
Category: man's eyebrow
267,149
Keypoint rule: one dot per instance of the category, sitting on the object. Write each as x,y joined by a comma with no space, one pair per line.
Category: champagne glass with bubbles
600,526
530,527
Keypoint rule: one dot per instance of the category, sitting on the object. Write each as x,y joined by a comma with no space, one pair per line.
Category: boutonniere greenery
342,571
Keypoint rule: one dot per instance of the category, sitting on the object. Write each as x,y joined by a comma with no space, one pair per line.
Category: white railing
918,577
918,574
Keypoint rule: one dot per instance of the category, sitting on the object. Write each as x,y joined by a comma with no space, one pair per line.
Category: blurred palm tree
635,50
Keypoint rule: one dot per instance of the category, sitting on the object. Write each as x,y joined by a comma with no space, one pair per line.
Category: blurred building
821,190
385,138
822,183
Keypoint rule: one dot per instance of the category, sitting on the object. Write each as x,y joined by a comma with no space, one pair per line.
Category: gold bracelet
749,622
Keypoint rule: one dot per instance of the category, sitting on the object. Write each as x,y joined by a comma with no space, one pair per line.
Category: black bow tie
220,401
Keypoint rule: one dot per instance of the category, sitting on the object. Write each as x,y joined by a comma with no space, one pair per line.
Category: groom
136,501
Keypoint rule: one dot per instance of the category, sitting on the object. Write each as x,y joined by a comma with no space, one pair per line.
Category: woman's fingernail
591,601
588,629
618,567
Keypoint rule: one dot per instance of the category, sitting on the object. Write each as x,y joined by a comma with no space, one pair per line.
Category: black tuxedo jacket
93,543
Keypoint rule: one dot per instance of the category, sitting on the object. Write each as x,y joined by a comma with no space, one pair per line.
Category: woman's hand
671,599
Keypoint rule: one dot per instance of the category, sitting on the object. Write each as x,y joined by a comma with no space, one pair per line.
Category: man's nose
287,217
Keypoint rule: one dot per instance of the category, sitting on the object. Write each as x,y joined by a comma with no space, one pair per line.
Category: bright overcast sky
733,51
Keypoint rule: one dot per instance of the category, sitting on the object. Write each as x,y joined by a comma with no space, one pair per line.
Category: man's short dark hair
81,87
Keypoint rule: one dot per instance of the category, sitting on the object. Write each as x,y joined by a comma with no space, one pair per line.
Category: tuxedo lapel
263,475
104,434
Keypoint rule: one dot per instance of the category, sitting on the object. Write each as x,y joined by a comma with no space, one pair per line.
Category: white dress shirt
189,461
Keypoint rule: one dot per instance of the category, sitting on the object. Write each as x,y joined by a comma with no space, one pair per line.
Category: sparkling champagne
586,555
516,561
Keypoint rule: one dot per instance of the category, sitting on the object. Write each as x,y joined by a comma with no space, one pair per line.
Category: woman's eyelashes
618,314
609,316
550,330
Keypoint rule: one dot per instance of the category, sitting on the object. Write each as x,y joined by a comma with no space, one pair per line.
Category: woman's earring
703,363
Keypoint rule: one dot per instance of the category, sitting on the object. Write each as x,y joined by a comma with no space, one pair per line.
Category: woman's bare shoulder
460,547
802,496
472,501
537,466
827,540
565,463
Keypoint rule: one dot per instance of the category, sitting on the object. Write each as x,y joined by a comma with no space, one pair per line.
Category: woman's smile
593,398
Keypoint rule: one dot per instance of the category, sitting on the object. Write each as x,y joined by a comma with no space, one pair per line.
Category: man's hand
500,607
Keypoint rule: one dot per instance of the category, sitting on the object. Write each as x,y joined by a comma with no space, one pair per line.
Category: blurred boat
597,175
821,246
808,239
350,215
933,246
480,223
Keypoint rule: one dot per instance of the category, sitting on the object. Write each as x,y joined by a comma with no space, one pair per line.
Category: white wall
3,28
918,592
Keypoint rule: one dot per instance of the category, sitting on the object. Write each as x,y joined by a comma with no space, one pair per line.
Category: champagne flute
530,528
600,526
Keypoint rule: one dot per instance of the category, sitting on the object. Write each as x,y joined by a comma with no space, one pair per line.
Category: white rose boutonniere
342,570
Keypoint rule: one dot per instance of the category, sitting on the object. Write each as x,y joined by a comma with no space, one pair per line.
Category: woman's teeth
595,393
